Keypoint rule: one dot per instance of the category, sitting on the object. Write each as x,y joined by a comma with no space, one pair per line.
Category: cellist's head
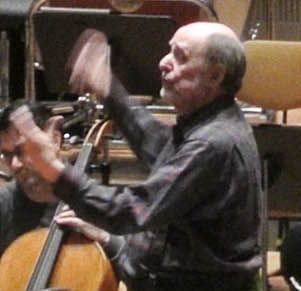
29,181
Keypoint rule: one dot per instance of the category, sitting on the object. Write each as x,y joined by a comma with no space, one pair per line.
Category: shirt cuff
67,185
114,246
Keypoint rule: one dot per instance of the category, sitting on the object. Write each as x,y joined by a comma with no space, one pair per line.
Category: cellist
25,203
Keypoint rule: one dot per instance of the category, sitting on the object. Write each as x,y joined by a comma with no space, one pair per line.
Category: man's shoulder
8,188
8,193
223,131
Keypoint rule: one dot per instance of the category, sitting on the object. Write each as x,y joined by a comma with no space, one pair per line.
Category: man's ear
52,128
217,75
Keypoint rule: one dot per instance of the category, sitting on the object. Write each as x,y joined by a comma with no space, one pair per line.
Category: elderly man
192,225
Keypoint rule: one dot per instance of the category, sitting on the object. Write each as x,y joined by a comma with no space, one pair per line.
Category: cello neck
47,259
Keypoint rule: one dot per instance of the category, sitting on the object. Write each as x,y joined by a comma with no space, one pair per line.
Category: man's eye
6,155
3,155
180,55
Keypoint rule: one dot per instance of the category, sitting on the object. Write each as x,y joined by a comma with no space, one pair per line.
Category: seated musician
192,224
23,204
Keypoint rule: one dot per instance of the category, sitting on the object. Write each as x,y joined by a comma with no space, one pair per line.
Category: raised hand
89,64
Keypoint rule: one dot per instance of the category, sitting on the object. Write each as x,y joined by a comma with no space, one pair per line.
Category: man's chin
46,197
39,193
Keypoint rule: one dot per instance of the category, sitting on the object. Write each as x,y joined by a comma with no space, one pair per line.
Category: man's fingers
22,120
85,37
54,123
73,222
87,64
66,213
66,207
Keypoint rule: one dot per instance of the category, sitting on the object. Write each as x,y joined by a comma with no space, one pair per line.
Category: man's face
184,73
35,187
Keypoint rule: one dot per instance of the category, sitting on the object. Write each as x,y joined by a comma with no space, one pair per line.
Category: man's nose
16,164
165,64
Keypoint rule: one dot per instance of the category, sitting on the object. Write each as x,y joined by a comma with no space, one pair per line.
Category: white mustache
167,76
163,74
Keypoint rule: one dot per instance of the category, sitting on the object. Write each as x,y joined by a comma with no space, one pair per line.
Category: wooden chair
273,77
272,81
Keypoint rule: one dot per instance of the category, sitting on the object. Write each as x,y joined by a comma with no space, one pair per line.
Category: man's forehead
190,43
206,28
191,33
196,34
9,138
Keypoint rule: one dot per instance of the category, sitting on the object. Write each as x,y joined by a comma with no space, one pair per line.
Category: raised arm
90,71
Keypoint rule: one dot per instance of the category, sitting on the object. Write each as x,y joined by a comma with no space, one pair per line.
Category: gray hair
225,50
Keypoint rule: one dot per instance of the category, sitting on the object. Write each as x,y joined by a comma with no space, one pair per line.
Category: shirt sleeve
114,246
183,182
145,134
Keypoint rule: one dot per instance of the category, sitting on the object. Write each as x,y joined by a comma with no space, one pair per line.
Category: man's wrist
54,170
106,238
114,246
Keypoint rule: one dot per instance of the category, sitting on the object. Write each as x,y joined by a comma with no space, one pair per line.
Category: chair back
273,76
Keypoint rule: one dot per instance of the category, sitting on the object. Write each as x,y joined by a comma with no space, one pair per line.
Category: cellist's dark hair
41,113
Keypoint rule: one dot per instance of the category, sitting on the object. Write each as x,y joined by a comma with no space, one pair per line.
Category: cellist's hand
68,217
89,64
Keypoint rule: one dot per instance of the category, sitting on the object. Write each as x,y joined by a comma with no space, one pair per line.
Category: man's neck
199,103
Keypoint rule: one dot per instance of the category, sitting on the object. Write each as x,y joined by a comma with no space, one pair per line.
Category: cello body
55,257
81,264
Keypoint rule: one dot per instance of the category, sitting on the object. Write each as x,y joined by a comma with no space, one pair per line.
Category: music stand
13,13
279,144
138,43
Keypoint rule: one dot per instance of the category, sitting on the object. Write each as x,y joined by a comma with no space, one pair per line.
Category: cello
55,257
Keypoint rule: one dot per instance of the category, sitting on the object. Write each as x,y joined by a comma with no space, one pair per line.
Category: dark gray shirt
198,211
18,214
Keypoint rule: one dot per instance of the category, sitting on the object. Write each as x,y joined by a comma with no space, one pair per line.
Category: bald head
206,61
218,44
205,29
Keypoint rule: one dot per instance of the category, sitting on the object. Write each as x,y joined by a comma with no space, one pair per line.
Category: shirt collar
202,114
205,111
